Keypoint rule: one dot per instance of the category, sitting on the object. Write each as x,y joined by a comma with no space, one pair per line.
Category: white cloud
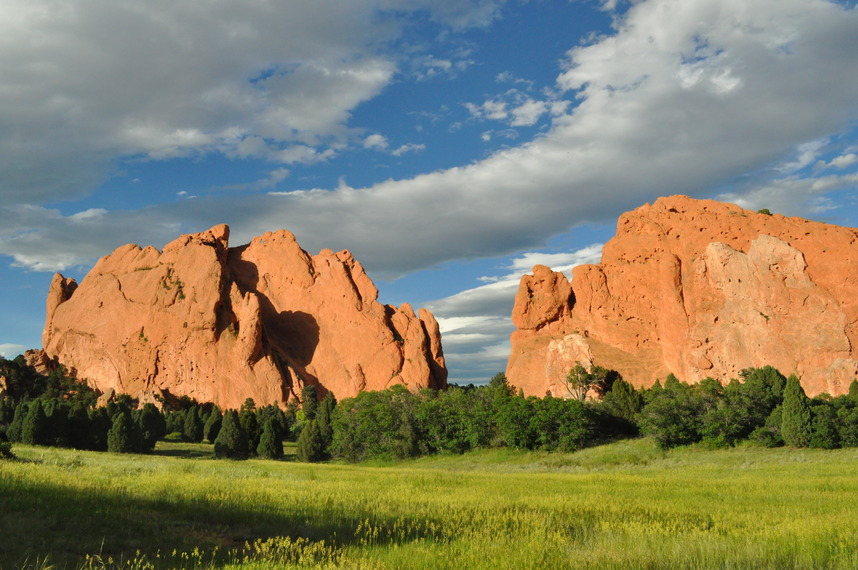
843,161
85,83
408,147
375,142
8,350
771,75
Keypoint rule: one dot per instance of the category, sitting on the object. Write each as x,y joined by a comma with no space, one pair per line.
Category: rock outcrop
221,324
699,289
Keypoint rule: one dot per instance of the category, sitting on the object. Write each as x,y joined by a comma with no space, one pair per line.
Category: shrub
213,425
270,443
34,430
231,441
310,443
123,437
6,450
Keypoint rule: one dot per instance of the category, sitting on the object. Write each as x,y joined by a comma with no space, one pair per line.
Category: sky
449,144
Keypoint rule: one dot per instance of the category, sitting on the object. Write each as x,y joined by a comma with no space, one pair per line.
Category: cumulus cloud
86,83
683,97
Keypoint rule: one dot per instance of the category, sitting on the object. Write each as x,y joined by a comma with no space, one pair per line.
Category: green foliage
6,450
123,436
796,416
672,415
231,441
371,425
35,430
309,401
579,381
100,424
152,426
213,425
250,424
514,425
192,429
561,425
324,418
13,432
824,433
311,445
769,434
270,443
764,211
623,401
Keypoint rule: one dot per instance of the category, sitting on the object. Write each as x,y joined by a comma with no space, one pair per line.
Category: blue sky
449,144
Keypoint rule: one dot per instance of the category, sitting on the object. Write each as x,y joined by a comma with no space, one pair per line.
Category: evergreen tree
122,437
78,426
35,429
58,423
231,441
99,425
823,433
769,435
310,444
13,433
152,426
623,401
324,415
795,415
270,442
213,424
192,430
250,425
309,401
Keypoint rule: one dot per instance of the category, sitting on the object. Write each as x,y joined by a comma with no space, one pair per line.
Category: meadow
622,505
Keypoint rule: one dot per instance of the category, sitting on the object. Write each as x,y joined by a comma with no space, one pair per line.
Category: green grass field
624,505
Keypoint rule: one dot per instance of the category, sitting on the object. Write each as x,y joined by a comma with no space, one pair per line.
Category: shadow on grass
47,521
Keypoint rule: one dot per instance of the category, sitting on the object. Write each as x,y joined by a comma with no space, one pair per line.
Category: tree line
762,406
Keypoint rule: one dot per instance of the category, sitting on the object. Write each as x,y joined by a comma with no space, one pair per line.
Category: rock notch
697,288
221,324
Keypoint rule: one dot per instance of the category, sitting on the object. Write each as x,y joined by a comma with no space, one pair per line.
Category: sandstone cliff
223,324
697,288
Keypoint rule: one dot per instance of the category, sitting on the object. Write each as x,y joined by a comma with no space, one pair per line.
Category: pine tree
13,433
193,427
231,441
152,426
79,426
212,427
324,417
270,443
309,401
248,421
795,418
310,444
99,426
122,437
34,431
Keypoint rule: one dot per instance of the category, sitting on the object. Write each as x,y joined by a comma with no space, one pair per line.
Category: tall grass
617,506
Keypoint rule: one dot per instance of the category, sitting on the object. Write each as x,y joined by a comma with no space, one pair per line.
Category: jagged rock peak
697,288
222,324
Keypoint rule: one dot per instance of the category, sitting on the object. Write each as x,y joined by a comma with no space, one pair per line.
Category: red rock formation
223,324
698,288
